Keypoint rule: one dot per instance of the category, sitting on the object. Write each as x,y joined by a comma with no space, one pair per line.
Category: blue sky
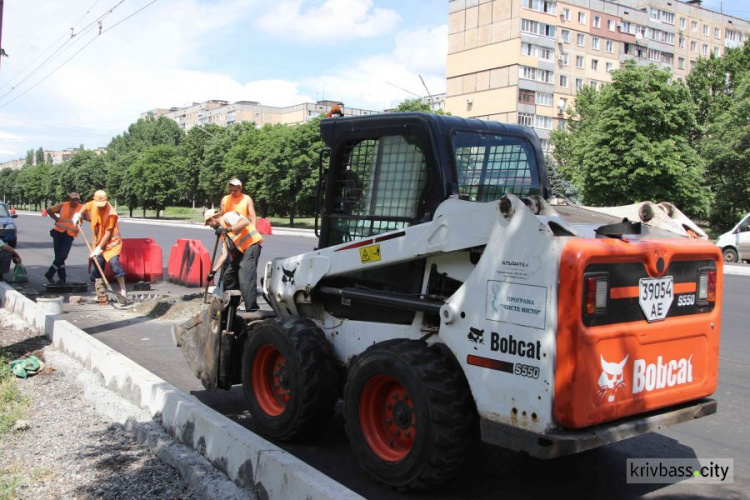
175,52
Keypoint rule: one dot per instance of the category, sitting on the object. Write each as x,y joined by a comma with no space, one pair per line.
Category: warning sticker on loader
524,305
369,254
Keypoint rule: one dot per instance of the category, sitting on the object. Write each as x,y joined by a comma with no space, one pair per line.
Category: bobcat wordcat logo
646,376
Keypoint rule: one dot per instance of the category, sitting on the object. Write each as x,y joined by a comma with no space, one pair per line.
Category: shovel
118,297
213,259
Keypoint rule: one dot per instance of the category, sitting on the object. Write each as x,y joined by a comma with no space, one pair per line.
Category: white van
736,243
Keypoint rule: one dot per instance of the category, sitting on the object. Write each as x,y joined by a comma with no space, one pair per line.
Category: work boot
50,274
61,274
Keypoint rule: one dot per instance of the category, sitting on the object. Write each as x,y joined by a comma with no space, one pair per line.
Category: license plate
656,295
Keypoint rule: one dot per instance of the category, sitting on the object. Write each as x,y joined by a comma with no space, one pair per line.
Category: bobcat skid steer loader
447,299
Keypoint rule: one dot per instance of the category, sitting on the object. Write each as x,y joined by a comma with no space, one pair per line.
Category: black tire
731,256
408,414
306,392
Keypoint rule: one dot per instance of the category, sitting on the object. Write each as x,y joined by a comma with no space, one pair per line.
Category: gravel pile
73,444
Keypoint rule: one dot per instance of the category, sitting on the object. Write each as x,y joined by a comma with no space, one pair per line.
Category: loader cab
390,171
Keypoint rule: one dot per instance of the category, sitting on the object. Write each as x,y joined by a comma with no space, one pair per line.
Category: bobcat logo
611,381
476,336
288,277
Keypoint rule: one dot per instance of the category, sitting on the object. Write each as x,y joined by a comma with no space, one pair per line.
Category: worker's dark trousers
61,243
245,267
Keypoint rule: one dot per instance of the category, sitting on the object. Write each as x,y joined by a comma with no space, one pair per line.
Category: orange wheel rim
270,380
387,418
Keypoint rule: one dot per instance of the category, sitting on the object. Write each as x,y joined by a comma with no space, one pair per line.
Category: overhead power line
101,32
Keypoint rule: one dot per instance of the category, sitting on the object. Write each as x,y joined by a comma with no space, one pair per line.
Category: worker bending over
67,216
106,238
242,242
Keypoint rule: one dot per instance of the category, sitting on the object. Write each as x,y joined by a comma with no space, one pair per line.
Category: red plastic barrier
44,213
263,226
189,263
141,259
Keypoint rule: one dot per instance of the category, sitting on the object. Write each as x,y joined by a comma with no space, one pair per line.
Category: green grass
9,481
12,404
187,214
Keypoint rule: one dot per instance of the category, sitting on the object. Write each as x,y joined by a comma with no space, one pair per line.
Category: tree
213,178
726,147
417,104
40,156
631,143
154,176
193,150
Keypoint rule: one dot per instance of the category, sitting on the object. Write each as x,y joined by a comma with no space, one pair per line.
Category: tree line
648,136
154,164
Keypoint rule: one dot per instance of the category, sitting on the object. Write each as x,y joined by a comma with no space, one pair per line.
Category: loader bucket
198,338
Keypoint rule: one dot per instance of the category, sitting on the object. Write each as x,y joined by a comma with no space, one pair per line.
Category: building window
609,67
595,42
579,62
683,23
537,28
539,75
579,83
531,50
566,36
682,42
693,46
717,51
547,6
565,15
543,122
705,49
526,119
610,45
564,81
526,96
692,65
611,25
595,64
597,22
582,18
546,146
581,40
694,25
662,16
681,62
717,32
705,30
544,98
564,59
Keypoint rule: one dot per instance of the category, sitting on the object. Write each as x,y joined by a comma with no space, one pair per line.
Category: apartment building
523,61
54,157
223,113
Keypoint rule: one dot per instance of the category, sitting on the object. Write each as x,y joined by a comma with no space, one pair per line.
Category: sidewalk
277,231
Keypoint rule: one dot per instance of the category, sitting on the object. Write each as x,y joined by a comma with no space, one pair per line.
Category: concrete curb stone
247,459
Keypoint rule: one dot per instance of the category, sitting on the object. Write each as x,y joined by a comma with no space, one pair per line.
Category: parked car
8,232
736,243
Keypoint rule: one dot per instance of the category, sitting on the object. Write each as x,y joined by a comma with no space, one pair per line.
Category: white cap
235,182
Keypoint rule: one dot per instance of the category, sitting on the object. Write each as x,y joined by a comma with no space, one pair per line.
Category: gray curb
283,231
737,269
249,460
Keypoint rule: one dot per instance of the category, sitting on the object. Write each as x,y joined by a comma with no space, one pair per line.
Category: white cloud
373,83
333,21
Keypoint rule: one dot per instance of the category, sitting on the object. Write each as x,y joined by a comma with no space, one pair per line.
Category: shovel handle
96,261
213,259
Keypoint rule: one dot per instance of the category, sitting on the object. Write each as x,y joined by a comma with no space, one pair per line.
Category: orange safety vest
247,237
64,222
98,223
241,204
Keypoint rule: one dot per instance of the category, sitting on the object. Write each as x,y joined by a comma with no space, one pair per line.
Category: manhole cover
69,287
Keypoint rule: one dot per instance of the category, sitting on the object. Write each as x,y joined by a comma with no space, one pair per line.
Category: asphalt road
490,472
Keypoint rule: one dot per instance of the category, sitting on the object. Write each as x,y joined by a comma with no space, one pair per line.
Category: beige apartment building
522,61
223,113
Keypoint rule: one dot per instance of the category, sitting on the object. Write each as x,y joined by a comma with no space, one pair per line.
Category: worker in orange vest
238,202
105,237
67,216
241,242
